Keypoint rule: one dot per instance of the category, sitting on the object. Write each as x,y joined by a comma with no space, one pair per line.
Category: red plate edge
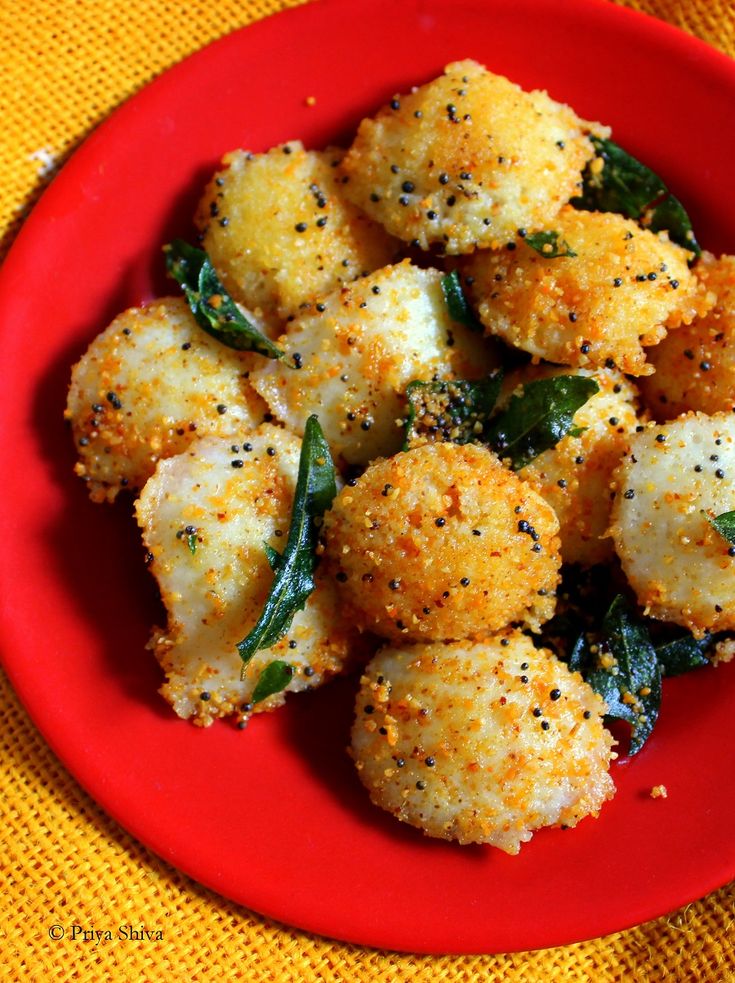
40,227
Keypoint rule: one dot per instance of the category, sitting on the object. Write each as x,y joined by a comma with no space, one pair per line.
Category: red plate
274,817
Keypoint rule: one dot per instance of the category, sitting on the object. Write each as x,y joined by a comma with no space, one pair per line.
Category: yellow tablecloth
64,64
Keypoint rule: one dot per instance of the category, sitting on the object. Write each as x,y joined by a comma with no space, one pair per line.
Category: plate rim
169,79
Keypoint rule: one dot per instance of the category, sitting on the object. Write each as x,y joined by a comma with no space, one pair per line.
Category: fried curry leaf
535,419
583,597
293,581
683,654
671,215
724,524
623,184
457,305
628,673
456,411
273,556
273,679
621,652
214,309
549,245
539,417
614,181
580,658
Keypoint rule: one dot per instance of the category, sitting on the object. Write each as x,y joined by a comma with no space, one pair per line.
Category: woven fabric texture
64,64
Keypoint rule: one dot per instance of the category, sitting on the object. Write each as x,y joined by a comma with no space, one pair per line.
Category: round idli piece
674,479
205,516
442,542
280,231
467,159
356,352
575,476
482,742
146,387
613,290
695,365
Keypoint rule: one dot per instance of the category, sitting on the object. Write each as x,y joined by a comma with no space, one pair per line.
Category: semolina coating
695,365
204,521
442,542
481,742
674,477
467,159
280,231
147,386
617,296
358,349
575,476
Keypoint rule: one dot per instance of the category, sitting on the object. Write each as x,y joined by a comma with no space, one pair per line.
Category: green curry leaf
273,556
683,654
215,311
537,418
724,524
293,579
457,305
671,216
456,411
549,245
628,673
274,678
625,185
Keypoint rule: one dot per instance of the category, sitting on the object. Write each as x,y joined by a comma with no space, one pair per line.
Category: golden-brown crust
481,742
147,386
695,365
466,160
618,295
674,478
443,542
281,232
575,476
358,349
204,523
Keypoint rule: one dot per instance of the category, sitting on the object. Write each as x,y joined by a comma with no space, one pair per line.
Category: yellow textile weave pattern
64,65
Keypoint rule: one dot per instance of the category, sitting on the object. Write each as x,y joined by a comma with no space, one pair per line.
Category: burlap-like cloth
64,64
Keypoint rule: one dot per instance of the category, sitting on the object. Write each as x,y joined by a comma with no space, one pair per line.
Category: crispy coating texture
214,580
443,542
695,365
620,293
146,387
575,476
674,476
280,231
467,159
481,742
359,349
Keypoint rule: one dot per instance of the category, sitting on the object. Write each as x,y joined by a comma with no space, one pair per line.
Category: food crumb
659,792
310,101
724,652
